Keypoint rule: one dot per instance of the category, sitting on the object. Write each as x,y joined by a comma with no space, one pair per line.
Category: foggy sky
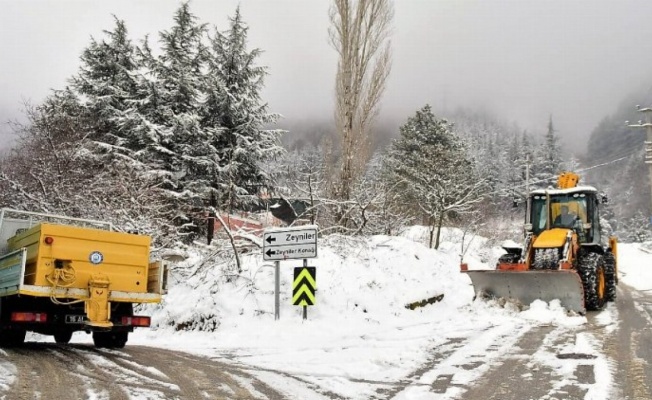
522,60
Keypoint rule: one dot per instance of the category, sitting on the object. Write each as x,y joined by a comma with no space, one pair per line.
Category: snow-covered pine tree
235,115
429,165
181,146
549,160
105,84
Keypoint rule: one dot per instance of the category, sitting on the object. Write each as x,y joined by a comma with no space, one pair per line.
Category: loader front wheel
610,275
592,272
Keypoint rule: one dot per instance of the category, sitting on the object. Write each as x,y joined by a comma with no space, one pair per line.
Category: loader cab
575,208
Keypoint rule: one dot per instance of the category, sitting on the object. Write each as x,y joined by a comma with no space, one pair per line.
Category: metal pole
648,144
305,308
527,190
277,290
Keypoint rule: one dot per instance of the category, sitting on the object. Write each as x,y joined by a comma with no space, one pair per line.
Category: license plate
75,319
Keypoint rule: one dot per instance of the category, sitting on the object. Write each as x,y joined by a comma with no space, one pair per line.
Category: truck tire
110,340
63,336
592,272
12,337
610,275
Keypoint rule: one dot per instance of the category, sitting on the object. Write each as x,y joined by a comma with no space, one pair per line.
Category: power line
620,153
507,190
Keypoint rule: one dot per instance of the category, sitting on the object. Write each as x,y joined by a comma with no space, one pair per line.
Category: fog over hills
522,61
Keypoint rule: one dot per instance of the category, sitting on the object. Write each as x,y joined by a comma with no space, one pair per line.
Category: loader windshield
564,211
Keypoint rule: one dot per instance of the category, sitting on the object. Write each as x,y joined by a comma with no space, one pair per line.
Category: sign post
277,290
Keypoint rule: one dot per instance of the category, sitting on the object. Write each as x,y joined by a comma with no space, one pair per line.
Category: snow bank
635,265
368,279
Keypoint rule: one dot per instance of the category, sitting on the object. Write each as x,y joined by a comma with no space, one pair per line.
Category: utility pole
648,141
527,189
527,175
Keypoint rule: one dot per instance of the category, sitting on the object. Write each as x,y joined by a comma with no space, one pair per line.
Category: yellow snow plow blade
527,286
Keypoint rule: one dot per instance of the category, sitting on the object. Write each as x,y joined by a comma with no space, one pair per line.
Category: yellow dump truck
59,275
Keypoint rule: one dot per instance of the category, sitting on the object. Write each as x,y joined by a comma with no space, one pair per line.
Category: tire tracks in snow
629,346
452,366
52,371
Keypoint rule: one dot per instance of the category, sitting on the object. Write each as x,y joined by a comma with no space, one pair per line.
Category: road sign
290,243
304,286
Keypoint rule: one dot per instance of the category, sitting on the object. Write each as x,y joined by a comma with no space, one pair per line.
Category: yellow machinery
564,255
57,278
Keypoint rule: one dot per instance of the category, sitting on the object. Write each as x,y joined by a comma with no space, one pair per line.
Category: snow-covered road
366,345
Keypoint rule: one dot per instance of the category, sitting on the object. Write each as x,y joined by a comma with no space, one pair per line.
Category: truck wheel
120,339
12,338
610,275
591,270
63,337
110,340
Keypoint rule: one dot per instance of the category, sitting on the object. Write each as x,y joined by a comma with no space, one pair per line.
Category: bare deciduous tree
360,33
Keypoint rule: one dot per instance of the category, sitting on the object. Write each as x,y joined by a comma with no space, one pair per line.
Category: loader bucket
527,286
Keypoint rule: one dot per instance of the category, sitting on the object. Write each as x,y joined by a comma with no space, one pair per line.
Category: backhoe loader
563,256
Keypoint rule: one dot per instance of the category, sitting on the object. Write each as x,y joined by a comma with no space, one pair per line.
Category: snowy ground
360,333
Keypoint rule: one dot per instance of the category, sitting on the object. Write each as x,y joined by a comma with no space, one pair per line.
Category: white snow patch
634,262
246,384
552,313
8,372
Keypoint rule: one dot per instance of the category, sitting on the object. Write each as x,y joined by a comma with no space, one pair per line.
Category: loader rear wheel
592,273
610,275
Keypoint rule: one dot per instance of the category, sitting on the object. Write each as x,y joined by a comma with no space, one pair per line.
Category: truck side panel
12,270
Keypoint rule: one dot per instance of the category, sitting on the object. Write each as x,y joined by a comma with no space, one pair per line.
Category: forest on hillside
157,141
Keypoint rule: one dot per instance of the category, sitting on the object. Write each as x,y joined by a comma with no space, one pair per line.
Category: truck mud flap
527,286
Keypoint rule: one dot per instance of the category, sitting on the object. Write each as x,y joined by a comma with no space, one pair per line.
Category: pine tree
237,117
548,162
180,147
105,83
429,165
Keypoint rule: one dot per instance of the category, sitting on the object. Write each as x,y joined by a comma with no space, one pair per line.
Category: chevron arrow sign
304,286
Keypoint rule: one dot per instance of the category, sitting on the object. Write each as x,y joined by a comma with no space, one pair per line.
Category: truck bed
83,252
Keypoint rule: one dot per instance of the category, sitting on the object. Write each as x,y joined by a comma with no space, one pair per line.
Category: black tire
592,272
63,336
610,275
546,259
110,340
509,258
12,337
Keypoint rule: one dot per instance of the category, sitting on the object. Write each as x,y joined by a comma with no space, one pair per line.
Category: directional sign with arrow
290,243
304,286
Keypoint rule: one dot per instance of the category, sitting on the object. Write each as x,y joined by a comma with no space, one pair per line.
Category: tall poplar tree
359,32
